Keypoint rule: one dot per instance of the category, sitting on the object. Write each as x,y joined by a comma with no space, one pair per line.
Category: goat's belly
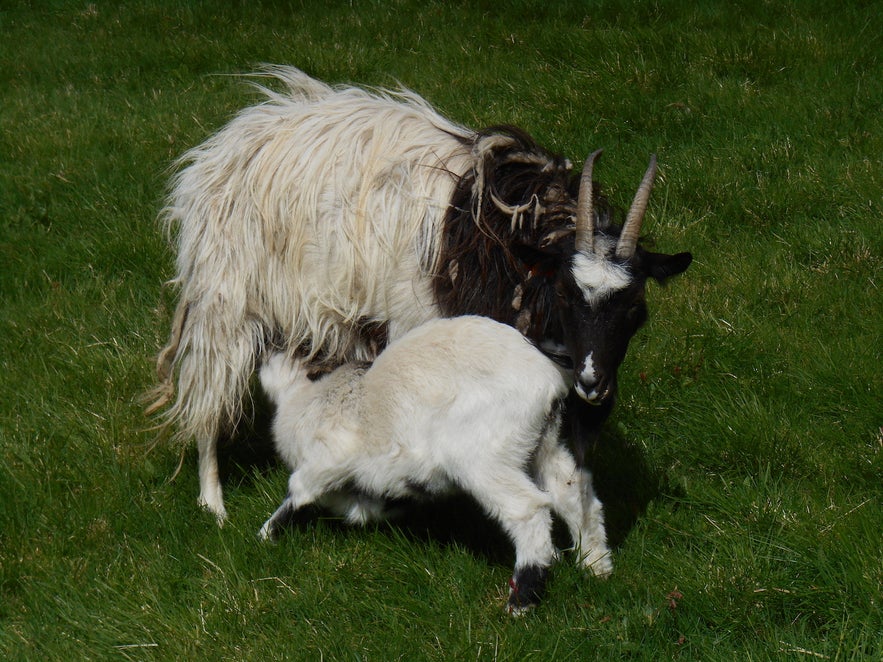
334,305
388,478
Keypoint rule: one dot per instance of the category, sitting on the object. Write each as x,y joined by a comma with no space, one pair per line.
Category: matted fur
502,266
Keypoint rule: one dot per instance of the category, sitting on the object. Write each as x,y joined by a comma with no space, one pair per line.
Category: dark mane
507,230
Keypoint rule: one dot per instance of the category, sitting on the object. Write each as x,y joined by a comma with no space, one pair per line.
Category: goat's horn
628,239
585,215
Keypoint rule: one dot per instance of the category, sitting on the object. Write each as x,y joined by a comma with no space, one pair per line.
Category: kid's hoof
266,532
599,564
215,508
526,589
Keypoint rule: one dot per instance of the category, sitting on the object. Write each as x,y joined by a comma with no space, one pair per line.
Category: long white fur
306,213
462,403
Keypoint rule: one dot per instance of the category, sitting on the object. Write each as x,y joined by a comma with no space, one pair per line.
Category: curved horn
628,239
585,215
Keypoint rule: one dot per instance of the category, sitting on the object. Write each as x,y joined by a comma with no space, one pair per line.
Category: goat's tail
164,391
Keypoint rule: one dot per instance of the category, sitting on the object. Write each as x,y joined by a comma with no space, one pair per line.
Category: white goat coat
419,415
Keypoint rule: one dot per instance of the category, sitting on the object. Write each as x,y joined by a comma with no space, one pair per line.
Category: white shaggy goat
463,403
285,234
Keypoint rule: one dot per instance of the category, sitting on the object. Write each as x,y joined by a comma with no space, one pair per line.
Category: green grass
741,472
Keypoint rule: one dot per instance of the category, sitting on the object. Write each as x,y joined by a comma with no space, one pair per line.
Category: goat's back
316,209
461,387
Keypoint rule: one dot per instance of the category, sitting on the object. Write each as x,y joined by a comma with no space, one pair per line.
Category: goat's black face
602,305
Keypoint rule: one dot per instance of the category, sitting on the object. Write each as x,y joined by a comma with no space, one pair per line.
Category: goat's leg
302,491
212,380
211,496
574,500
523,511
592,544
279,520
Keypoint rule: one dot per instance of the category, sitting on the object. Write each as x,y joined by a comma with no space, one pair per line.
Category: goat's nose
594,391
589,382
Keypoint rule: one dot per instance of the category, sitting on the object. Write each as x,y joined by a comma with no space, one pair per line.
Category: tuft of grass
741,471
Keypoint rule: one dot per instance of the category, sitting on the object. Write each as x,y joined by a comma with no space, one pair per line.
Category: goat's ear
661,266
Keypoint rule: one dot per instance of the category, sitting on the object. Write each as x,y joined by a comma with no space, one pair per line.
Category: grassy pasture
741,472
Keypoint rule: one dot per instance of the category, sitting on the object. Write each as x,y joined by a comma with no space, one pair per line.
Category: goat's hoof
517,611
216,508
268,532
601,566
526,589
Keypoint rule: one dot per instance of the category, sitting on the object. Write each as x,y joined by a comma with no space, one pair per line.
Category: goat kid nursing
464,404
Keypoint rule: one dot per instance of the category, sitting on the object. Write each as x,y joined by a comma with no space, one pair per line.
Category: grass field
742,471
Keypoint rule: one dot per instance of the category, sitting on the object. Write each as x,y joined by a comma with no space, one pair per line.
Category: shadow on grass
249,450
624,482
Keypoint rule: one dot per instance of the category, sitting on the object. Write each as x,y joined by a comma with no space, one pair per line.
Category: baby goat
463,403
